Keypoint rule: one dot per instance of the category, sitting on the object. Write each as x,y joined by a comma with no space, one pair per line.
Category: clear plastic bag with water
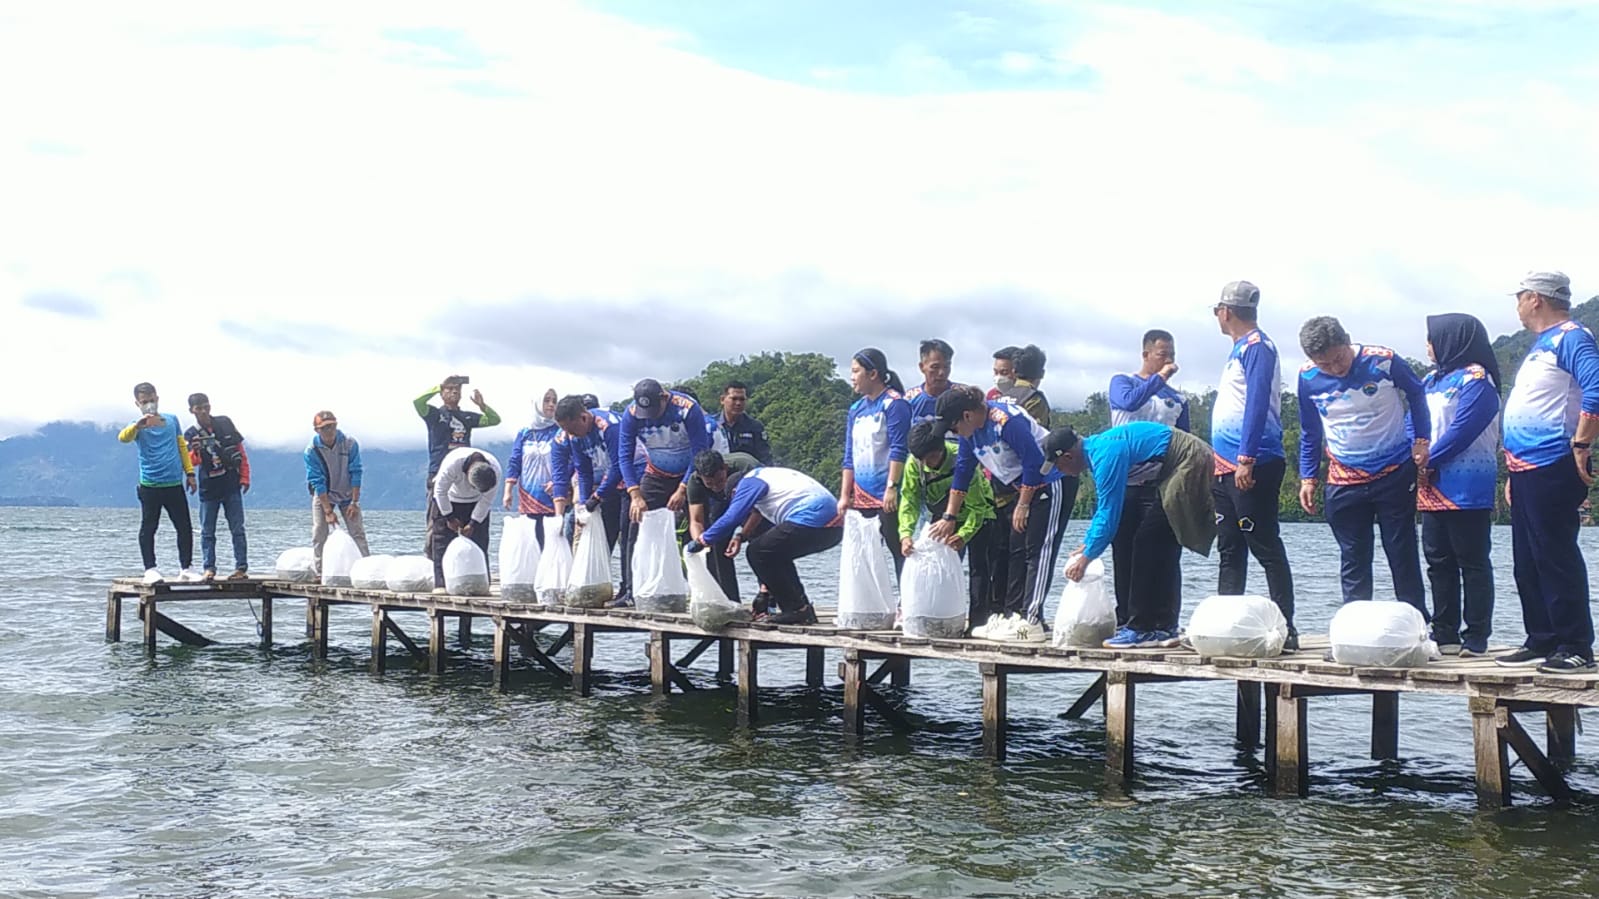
866,598
932,589
708,604
1380,635
1086,613
297,565
589,584
371,573
409,574
466,568
519,559
555,566
1250,627
658,581
339,555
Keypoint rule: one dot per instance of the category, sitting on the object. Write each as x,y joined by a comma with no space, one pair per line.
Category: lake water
223,771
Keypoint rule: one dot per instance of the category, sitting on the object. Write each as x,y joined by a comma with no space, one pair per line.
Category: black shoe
805,614
1291,644
1523,658
762,604
1567,663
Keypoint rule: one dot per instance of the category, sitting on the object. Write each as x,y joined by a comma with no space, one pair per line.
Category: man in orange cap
333,477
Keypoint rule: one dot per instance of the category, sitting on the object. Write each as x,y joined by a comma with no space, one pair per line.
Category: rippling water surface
225,771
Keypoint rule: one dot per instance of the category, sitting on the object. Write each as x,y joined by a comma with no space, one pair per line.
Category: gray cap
1240,293
1554,285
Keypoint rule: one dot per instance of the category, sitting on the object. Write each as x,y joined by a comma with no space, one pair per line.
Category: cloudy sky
340,205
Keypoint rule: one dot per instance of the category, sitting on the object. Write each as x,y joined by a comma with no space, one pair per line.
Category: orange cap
324,418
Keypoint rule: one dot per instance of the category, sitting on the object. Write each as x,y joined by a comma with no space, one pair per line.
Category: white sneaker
152,576
1028,632
981,631
188,576
1001,631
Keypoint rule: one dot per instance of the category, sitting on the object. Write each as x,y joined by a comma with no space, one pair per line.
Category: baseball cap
1059,442
1240,293
647,393
324,418
1554,285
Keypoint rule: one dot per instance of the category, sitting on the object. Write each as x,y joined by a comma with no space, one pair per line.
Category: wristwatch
1580,444
947,517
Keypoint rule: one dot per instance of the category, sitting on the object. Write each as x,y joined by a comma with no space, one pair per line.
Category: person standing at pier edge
743,433
165,470
1182,514
1144,395
783,515
669,429
464,493
935,359
529,475
589,444
1246,433
925,487
216,449
1456,495
1551,420
1369,410
1001,437
876,436
449,427
333,478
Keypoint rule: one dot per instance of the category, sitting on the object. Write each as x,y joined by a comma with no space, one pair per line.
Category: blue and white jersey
876,435
782,496
670,440
1010,444
1464,407
596,456
718,439
531,467
1557,384
924,405
1246,420
1134,397
1367,419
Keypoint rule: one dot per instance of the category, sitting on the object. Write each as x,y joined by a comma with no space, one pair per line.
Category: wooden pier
1272,695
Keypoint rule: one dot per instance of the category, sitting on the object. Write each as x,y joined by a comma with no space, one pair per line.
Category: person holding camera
216,448
449,428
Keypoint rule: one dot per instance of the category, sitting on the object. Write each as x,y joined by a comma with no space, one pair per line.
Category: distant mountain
72,463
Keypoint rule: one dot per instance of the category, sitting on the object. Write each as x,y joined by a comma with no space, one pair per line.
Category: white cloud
179,169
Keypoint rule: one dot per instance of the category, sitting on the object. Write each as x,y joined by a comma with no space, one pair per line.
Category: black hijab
1459,340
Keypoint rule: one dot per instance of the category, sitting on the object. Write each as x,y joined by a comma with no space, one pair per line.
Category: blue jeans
232,505
1390,503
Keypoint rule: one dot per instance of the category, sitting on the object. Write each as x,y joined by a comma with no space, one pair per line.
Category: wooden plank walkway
1271,694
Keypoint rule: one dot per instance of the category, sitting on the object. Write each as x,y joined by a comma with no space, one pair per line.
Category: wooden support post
1513,734
1385,725
464,631
1493,763
310,618
1269,751
995,721
815,666
901,676
147,615
853,671
436,650
1248,707
266,622
748,682
659,650
724,660
1094,693
113,616
502,654
1291,763
1119,708
582,657
380,640
1561,727
319,628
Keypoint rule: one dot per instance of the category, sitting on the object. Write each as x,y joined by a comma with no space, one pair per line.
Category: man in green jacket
925,485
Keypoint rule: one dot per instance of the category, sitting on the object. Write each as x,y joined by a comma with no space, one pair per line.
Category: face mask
150,408
1004,383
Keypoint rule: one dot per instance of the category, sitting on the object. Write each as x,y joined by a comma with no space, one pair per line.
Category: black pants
152,502
657,491
1246,524
981,552
461,513
1147,561
1389,502
772,553
1033,552
1551,576
432,522
888,526
1457,544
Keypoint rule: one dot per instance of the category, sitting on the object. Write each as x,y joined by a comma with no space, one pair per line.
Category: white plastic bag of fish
466,568
372,573
932,591
339,555
866,598
708,604
658,581
1086,615
297,565
519,558
1250,627
589,585
1380,635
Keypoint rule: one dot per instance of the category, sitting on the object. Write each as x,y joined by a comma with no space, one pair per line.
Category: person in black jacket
217,450
744,434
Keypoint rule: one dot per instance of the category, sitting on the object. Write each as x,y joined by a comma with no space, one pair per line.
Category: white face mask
1004,383
150,408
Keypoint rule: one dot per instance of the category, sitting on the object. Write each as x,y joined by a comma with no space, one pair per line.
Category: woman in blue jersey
529,475
876,444
1456,495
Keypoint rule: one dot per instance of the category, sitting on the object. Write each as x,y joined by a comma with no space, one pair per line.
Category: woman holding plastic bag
529,473
785,515
876,437
1184,516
